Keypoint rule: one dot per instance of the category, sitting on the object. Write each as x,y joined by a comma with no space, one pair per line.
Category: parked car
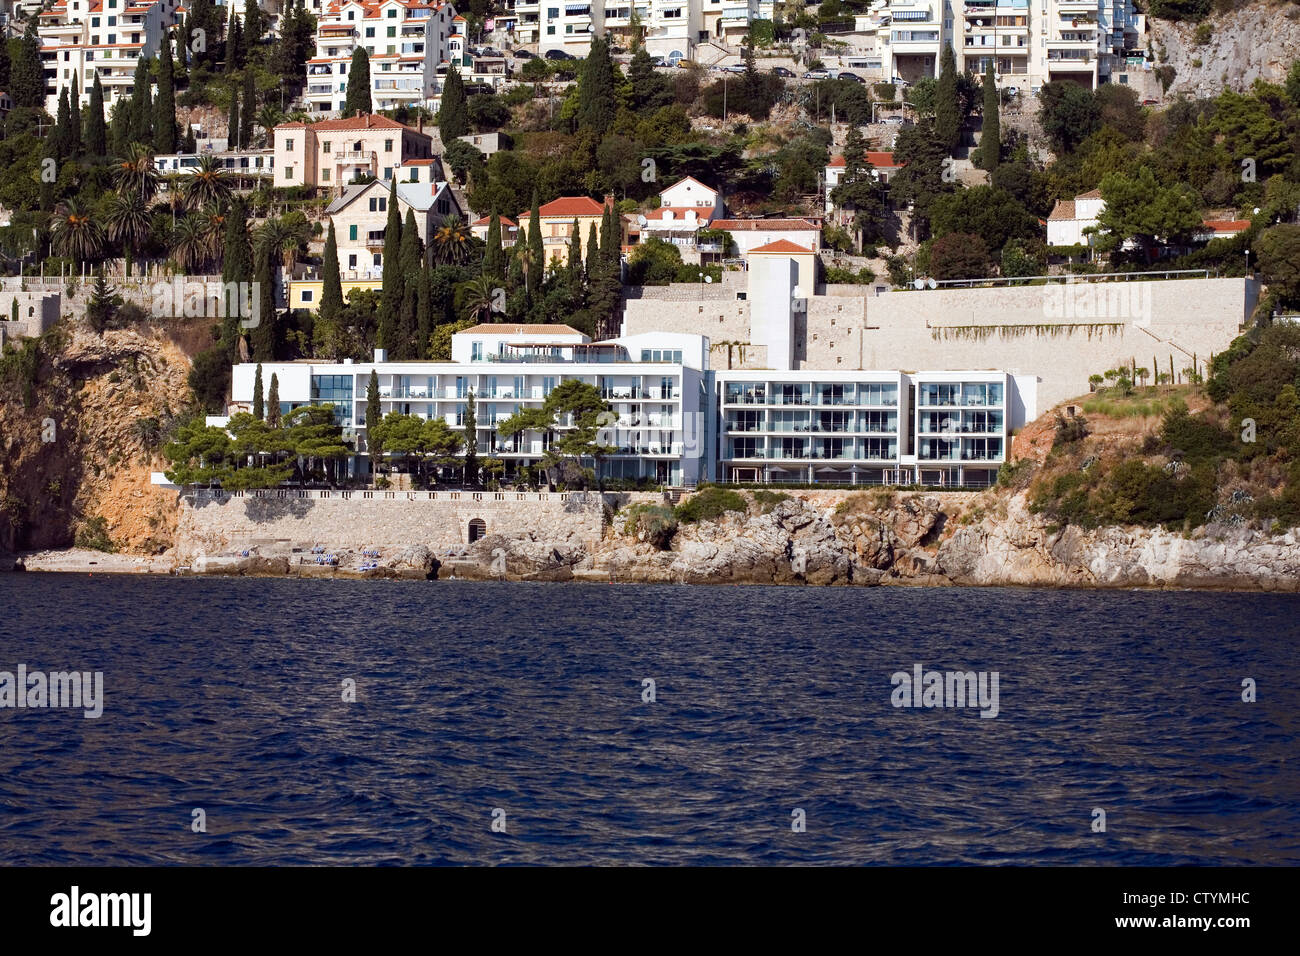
736,68
782,72
1149,102
817,75
525,55
559,55
893,120
846,75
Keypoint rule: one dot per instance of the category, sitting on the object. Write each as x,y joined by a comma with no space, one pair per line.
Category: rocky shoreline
865,540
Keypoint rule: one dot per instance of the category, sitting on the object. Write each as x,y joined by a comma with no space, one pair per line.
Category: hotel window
476,352
796,394
325,175
288,172
548,385
877,422
288,144
352,232
370,32
94,21
746,448
336,390
352,262
388,146
940,393
325,146
878,448
112,21
377,260
392,32
981,421
745,421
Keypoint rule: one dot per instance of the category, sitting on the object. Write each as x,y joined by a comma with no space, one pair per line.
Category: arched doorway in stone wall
477,529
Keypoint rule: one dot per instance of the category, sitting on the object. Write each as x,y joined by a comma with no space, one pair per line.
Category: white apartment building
237,162
1029,42
670,27
80,38
406,41
862,427
654,384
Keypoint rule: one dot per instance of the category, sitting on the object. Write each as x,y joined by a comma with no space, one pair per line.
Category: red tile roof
487,221
516,329
880,160
784,245
568,207
1227,227
753,225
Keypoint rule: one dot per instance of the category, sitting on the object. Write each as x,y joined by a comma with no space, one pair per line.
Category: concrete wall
37,312
386,520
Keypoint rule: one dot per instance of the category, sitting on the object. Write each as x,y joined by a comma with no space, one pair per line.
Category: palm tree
287,237
74,234
212,223
208,184
128,221
451,241
525,255
269,117
480,293
135,174
189,245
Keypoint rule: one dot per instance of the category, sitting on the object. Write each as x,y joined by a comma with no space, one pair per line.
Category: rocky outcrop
901,539
1259,41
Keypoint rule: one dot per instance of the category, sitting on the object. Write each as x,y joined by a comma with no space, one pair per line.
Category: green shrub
93,534
653,523
709,505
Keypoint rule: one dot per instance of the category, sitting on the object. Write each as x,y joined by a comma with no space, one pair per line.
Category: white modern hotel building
678,423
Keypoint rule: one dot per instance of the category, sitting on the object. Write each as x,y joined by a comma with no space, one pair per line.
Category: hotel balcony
320,89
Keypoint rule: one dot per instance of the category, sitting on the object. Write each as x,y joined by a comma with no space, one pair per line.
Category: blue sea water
226,695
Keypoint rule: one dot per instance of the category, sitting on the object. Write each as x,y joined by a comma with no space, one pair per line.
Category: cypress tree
58,141
96,132
27,75
262,335
236,269
575,258
164,118
990,150
331,296
946,120
390,299
453,111
358,98
254,28
494,259
408,319
259,400
5,66
232,42
597,102
119,127
140,117
273,402
74,117
471,440
233,123
248,110
593,253
536,251
374,415
423,314
190,145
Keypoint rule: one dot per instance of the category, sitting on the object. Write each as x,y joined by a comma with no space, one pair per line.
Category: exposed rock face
1258,41
908,539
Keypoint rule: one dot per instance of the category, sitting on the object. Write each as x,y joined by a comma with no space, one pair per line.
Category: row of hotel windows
960,393
864,449
753,421
806,393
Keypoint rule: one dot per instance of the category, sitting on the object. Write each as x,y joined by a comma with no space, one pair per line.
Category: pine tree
471,440
273,402
374,415
191,145
358,98
990,149
232,136
536,251
236,269
390,298
164,110
946,119
453,113
27,75
259,400
96,132
494,259
247,110
74,117
597,102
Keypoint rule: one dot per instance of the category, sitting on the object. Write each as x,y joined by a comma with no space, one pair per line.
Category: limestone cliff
79,434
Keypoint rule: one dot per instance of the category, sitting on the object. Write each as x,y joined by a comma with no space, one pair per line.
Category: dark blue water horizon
473,699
